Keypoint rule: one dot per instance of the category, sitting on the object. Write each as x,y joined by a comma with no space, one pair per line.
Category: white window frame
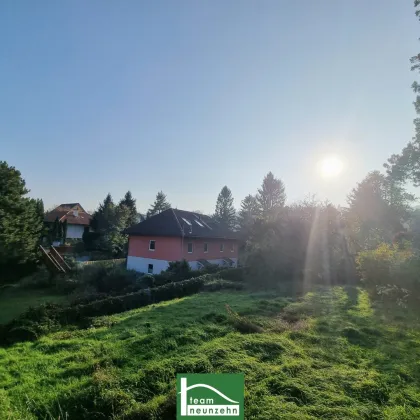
222,247
148,269
150,243
192,247
206,247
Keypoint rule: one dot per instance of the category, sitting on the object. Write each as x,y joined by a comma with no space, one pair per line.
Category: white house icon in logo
205,406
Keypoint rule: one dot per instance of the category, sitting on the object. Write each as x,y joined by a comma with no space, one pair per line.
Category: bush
233,274
108,277
46,318
115,304
40,279
219,284
179,269
390,271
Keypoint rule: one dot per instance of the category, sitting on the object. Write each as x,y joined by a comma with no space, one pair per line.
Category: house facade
78,220
174,235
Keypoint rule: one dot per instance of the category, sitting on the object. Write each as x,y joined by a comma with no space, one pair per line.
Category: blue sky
187,96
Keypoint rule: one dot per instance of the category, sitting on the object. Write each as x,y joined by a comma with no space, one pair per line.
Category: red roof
72,212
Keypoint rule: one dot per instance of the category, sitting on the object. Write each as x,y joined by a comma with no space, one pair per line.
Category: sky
187,96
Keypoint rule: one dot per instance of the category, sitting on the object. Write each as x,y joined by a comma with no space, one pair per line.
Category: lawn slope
328,356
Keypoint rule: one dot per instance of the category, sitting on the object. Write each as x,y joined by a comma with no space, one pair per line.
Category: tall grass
329,355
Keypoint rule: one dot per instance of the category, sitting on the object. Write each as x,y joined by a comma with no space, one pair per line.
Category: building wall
141,264
175,249
213,249
75,231
166,248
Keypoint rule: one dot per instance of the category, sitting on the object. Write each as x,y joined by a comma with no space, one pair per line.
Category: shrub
108,277
112,305
179,269
233,274
46,318
219,284
390,271
40,279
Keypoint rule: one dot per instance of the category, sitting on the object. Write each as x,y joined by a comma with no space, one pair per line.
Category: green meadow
329,355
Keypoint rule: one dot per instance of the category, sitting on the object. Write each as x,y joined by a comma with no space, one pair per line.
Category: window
150,268
186,221
206,247
152,245
190,247
222,247
232,247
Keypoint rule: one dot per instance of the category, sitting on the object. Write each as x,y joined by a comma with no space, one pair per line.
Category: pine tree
159,205
130,203
271,197
64,231
225,212
248,213
101,217
109,222
21,220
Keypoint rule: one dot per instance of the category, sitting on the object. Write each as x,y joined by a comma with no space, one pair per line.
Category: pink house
175,235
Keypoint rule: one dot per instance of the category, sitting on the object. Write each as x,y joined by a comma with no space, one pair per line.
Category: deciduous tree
377,208
406,165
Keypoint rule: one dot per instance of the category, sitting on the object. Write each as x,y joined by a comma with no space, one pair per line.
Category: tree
101,217
108,223
64,231
406,166
248,213
305,246
271,197
130,203
225,212
378,206
114,240
159,205
21,220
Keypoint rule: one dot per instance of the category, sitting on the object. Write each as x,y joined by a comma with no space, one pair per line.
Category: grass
15,300
330,355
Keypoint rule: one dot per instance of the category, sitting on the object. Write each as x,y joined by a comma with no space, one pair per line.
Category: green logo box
210,395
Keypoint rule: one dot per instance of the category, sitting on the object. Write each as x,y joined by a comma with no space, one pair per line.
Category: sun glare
330,167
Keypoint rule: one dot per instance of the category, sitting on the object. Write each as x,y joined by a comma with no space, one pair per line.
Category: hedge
233,274
46,318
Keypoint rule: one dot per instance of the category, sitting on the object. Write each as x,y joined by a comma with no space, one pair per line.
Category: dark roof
174,222
64,212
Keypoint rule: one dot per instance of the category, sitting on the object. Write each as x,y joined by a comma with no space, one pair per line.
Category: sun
330,167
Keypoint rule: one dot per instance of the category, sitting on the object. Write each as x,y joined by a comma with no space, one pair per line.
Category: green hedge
233,274
46,318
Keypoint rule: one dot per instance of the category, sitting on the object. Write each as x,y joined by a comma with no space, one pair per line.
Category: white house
78,220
